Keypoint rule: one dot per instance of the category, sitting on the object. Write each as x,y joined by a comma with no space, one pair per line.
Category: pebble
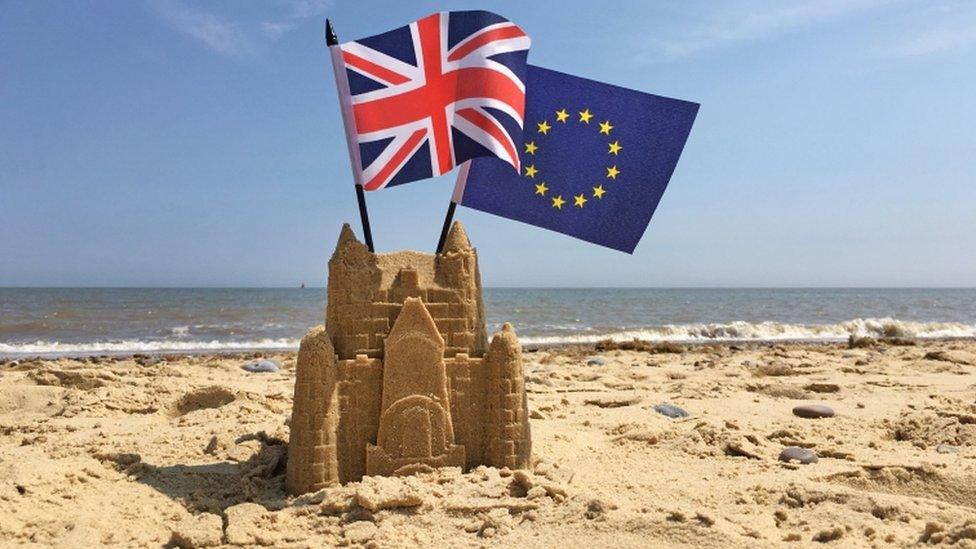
595,361
946,449
671,410
823,387
595,509
795,453
813,411
145,360
263,365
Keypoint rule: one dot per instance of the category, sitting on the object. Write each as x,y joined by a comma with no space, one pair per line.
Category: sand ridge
190,451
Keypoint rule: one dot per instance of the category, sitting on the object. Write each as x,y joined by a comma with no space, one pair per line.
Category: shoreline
258,352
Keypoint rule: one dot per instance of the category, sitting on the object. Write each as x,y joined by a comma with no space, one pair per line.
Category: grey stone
670,410
595,509
795,453
946,449
823,388
813,411
595,361
144,360
263,365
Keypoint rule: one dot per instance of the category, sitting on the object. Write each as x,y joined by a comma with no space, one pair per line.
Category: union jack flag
421,99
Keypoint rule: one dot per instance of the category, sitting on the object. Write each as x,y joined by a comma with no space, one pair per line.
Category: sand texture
190,451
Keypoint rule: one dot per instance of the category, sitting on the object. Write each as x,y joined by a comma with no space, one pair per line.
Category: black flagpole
447,225
332,40
455,198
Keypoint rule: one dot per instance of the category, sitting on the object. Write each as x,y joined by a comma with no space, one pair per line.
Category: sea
90,321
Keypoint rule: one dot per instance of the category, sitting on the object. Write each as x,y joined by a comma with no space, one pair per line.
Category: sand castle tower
401,378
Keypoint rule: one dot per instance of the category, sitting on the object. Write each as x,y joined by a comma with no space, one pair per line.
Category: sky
178,143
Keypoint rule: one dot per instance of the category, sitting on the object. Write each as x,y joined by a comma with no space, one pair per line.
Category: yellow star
541,189
530,171
561,115
585,116
612,172
531,147
544,127
598,191
557,202
605,127
615,148
580,200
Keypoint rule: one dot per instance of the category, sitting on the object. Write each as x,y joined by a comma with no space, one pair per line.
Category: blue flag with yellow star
596,159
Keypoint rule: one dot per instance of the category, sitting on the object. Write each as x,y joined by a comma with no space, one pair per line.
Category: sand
189,451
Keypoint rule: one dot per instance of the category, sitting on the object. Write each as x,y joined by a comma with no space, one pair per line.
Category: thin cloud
936,41
754,21
302,9
274,30
297,11
213,31
233,37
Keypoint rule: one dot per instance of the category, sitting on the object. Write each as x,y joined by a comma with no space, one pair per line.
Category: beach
307,273
189,450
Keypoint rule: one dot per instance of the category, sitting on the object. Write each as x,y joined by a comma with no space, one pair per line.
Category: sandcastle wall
366,292
401,378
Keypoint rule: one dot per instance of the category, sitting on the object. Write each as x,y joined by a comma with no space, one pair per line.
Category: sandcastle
401,378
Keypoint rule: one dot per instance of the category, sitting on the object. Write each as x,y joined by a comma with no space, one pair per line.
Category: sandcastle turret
507,406
312,446
456,262
401,377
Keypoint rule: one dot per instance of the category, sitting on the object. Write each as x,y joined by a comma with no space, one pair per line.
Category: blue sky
174,143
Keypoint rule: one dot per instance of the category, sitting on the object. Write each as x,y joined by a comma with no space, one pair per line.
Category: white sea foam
47,348
770,331
683,333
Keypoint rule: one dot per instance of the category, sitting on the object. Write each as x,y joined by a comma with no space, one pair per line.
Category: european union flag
596,159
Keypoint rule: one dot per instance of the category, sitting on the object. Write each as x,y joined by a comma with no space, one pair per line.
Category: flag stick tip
330,36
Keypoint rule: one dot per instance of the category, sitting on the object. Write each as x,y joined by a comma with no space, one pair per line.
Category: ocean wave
730,332
770,331
57,348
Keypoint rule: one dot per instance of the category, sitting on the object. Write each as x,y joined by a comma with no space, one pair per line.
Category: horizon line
743,287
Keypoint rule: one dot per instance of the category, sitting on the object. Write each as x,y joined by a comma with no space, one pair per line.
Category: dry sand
190,451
